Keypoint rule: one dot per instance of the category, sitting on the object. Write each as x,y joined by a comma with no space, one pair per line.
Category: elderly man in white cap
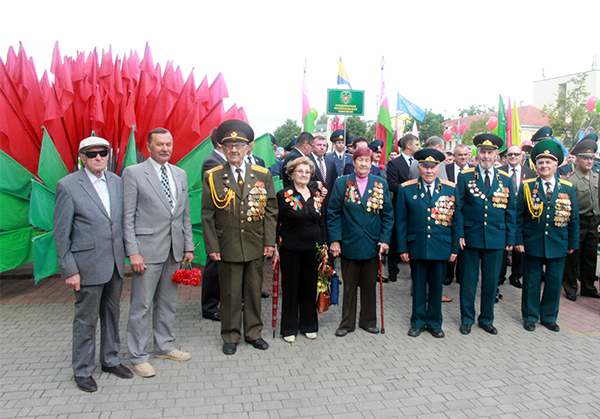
91,255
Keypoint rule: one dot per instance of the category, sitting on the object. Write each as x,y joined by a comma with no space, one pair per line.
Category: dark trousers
516,271
91,302
490,261
532,308
299,292
363,274
393,257
427,305
584,258
235,278
452,267
211,291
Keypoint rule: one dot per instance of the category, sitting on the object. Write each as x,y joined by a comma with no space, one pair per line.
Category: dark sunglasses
93,154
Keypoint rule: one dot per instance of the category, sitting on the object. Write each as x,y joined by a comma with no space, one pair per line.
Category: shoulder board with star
215,169
410,182
447,183
469,170
502,172
259,168
529,180
569,174
565,182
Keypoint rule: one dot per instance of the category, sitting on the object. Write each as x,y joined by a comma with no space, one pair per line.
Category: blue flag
410,108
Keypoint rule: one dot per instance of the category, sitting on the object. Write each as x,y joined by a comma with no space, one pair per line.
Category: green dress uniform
427,229
488,227
547,229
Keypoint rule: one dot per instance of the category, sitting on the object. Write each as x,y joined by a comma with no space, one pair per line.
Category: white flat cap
93,142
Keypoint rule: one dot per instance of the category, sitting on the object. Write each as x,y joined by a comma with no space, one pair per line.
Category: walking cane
275,295
381,292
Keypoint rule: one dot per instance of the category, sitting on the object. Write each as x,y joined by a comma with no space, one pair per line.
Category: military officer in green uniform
427,229
487,210
544,133
239,216
547,229
569,168
585,181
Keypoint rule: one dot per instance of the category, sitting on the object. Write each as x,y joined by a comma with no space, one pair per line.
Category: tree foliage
284,133
475,110
569,114
476,127
356,126
431,125
323,119
371,131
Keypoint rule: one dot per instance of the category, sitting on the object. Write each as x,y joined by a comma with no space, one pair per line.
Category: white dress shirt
172,186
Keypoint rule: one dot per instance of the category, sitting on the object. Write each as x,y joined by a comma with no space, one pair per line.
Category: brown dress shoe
446,299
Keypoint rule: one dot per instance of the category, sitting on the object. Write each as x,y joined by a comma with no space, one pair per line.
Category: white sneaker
144,369
312,335
290,339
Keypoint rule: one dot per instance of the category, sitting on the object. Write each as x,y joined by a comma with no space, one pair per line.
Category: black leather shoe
87,384
489,329
529,326
436,333
259,344
229,348
501,280
572,297
393,279
212,316
551,326
264,294
415,331
515,282
385,280
593,294
120,371
373,330
341,333
448,280
465,329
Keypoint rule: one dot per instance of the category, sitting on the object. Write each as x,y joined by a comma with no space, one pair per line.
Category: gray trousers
152,289
91,302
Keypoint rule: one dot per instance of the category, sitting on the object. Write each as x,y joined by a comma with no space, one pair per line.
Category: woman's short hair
362,151
291,166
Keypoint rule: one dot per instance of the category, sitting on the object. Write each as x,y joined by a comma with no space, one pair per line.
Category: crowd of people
463,220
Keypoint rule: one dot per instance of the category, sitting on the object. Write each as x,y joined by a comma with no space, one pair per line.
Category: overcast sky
441,55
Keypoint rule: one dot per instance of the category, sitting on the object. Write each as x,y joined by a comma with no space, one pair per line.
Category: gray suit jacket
149,227
88,241
413,171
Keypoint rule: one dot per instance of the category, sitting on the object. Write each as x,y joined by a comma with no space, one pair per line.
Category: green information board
345,102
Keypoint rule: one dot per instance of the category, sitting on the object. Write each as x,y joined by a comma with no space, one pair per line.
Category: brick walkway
516,374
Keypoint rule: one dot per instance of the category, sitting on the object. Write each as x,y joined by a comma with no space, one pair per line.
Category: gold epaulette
565,182
447,183
502,172
214,169
529,180
469,170
410,182
259,168
568,175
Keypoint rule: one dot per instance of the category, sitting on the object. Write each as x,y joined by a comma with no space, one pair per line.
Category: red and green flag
308,116
384,130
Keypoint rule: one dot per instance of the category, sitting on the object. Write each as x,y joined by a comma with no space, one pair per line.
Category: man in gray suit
89,243
157,229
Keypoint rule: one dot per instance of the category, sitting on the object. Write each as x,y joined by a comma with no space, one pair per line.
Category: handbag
323,301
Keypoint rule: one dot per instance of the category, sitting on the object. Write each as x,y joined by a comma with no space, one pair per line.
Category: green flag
14,210
192,163
15,248
130,157
41,208
45,259
263,148
51,168
501,128
14,178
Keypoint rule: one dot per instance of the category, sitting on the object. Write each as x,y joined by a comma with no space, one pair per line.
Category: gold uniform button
485,215
428,227
547,224
428,218
242,221
547,215
428,209
242,230
546,232
429,236
242,212
485,223
486,207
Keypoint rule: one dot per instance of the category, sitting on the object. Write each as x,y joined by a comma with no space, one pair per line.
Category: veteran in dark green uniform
544,133
428,234
547,229
585,181
487,209
239,216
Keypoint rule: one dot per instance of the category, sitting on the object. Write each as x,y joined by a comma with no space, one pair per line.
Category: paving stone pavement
516,374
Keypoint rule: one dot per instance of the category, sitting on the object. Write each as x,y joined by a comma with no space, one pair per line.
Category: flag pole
303,86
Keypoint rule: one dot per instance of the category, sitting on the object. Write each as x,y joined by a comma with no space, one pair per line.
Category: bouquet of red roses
187,275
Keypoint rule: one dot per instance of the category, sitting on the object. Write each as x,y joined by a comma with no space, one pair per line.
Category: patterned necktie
165,183
548,191
322,169
514,180
240,180
487,180
429,191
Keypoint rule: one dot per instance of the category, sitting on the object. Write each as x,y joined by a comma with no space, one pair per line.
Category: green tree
475,110
569,114
476,127
371,131
284,133
431,125
323,119
356,126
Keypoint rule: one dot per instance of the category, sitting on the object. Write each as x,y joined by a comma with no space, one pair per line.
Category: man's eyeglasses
237,146
93,154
